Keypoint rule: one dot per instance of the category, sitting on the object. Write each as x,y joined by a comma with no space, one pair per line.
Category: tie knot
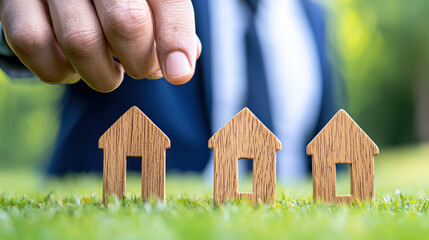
252,4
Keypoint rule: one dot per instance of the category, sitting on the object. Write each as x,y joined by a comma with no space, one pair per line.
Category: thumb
177,44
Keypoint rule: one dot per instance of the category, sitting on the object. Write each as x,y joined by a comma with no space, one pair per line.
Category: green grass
34,207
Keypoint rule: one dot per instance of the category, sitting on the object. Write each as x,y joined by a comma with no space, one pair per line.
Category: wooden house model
134,135
342,141
244,137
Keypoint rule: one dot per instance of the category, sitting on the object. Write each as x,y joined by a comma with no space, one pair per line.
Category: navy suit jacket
182,112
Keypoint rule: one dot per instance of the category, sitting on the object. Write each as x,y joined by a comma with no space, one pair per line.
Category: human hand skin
62,41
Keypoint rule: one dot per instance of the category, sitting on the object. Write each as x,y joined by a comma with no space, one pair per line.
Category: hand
62,41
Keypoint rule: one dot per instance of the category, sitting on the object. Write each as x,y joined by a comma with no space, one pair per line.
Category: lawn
35,207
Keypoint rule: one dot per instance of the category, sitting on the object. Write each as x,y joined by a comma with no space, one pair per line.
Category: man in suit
265,54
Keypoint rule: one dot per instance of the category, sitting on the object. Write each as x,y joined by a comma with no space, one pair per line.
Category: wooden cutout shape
342,141
244,136
134,135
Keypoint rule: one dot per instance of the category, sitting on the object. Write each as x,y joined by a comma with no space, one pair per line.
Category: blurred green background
380,50
29,121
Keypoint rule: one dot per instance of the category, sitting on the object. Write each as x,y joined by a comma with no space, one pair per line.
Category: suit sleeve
9,62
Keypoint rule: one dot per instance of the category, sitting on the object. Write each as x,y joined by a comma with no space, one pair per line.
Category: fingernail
177,65
74,79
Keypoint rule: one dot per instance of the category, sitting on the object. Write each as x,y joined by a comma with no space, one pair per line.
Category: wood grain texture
244,136
134,135
342,141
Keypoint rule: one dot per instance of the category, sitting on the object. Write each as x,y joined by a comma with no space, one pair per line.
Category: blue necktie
257,95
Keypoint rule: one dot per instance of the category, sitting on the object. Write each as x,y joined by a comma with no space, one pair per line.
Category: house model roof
341,130
133,125
242,123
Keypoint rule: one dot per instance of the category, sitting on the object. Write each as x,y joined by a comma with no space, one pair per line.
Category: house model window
343,173
245,172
